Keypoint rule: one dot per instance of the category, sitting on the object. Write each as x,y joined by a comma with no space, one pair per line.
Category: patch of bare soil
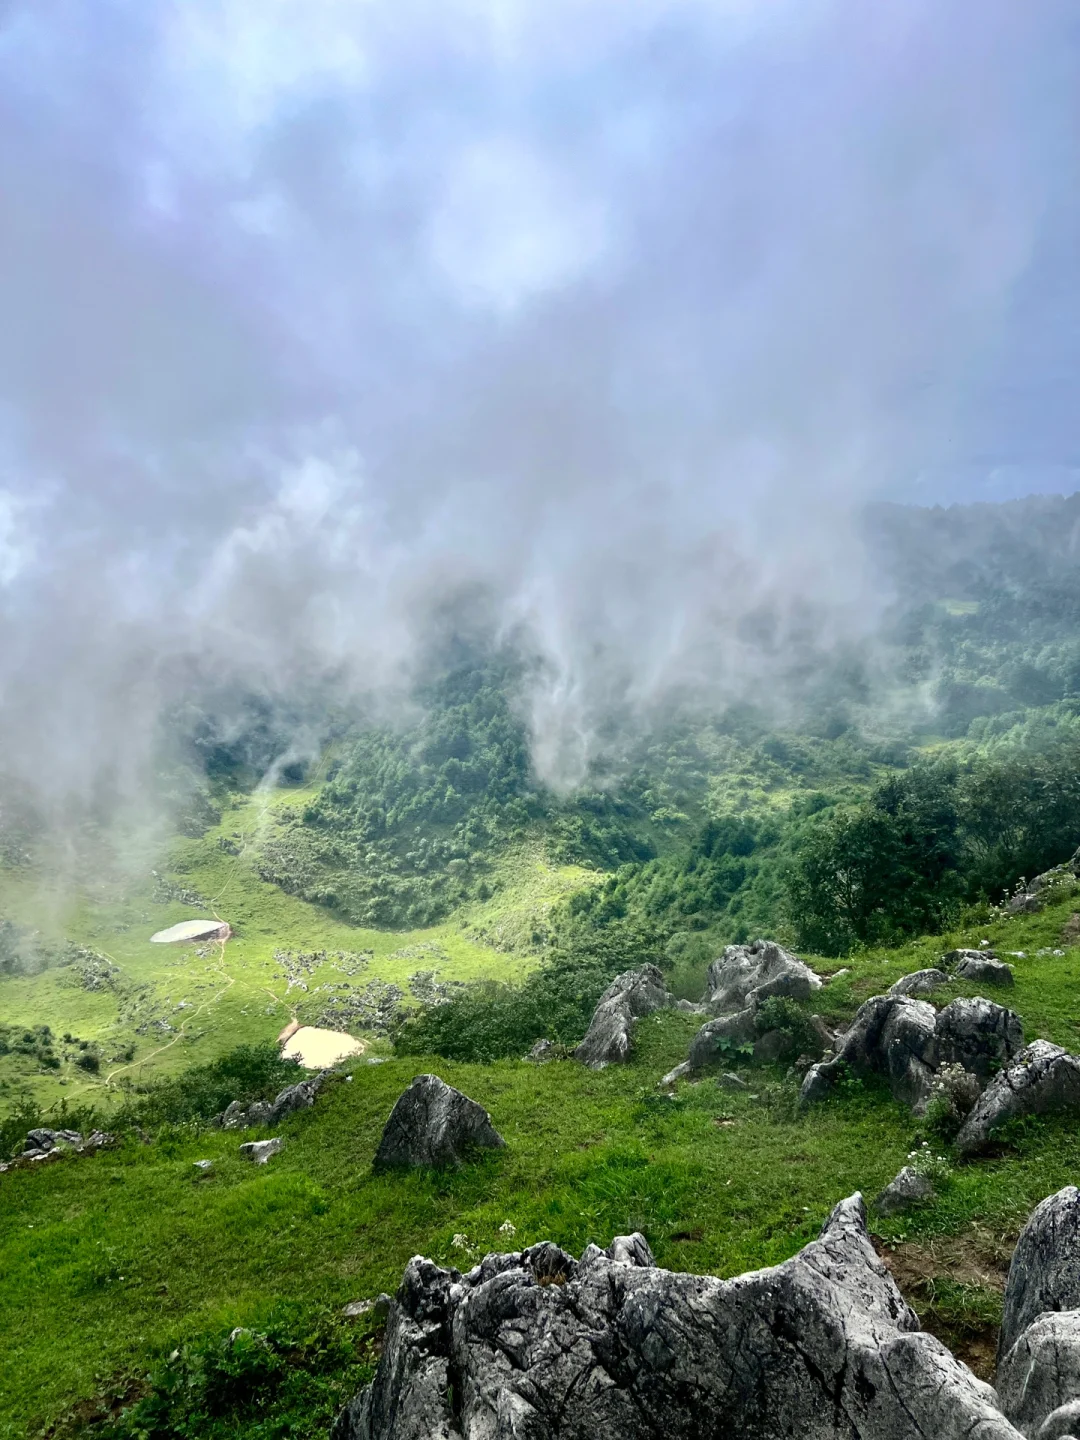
955,1284
1070,934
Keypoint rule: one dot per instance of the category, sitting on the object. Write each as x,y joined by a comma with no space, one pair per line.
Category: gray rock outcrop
43,1142
540,1346
1042,1079
737,984
909,1188
434,1124
630,995
985,970
906,1040
1039,1351
919,983
745,975
1031,897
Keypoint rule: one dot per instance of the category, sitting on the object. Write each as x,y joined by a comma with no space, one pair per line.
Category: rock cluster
1038,1376
270,1112
980,966
630,995
919,982
43,1144
434,1124
907,1041
736,985
541,1346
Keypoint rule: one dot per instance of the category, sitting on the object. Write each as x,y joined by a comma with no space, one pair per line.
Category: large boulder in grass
434,1124
906,1040
1039,1351
630,995
746,975
1043,1079
540,1346
919,983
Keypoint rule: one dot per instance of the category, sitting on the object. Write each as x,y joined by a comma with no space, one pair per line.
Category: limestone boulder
919,983
434,1124
629,996
1042,1079
745,975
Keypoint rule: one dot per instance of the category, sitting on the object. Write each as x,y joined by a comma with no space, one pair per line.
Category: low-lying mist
333,335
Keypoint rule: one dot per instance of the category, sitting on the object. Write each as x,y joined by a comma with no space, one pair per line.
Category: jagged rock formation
630,995
907,1040
434,1124
1039,1351
737,984
919,982
540,1346
270,1112
1042,1079
909,1188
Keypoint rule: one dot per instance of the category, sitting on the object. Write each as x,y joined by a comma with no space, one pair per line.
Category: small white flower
507,1229
460,1242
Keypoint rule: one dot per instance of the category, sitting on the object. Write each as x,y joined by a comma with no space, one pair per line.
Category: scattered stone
434,1124
952,958
1042,1079
204,1165
679,1073
541,1052
908,1189
919,983
541,1346
845,970
688,1007
730,1081
630,995
42,1142
261,1150
985,971
745,975
379,1308
301,1096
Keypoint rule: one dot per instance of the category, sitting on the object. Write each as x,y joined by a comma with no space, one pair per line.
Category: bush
287,1379
779,1012
89,1061
490,1020
250,1072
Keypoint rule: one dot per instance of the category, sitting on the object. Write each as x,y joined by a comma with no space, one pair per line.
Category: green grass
108,1263
235,998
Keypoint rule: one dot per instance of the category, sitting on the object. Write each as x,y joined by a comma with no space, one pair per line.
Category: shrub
250,1072
779,1012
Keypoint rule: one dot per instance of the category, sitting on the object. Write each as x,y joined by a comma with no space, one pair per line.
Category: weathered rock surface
1042,1079
1039,1352
978,1035
908,1189
715,1035
984,970
919,982
1034,895
745,975
539,1346
906,1040
541,1052
434,1124
630,995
